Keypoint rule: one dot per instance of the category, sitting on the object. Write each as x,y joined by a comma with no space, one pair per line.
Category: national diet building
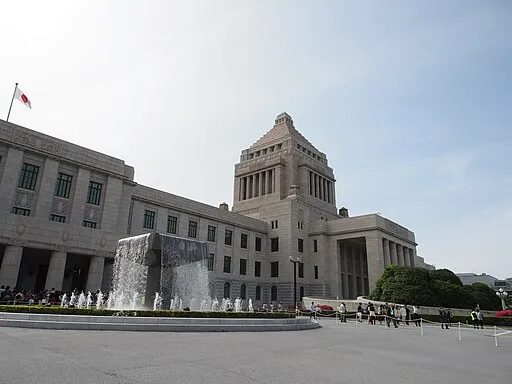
64,207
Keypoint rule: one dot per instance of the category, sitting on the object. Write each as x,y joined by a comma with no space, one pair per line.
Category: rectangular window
227,264
274,244
243,241
89,224
58,218
149,219
300,245
94,193
257,268
274,269
209,262
192,229
315,245
28,176
211,233
301,270
172,224
21,211
257,244
228,238
274,224
63,187
316,271
243,266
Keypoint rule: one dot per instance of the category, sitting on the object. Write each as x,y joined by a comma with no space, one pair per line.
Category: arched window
243,292
227,290
301,293
212,290
273,293
258,292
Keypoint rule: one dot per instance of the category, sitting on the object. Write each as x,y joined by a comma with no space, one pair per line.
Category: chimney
224,207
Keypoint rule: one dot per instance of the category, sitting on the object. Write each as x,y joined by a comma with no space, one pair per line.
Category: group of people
477,318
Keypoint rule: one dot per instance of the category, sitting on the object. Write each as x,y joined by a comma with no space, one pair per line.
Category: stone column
411,257
243,183
326,190
387,256
9,180
80,196
47,189
263,181
254,186
407,260
260,184
354,272
400,254
11,265
346,290
329,192
392,247
320,187
361,270
317,185
55,275
95,276
374,260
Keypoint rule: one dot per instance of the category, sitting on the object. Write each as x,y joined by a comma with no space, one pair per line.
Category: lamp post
295,261
502,295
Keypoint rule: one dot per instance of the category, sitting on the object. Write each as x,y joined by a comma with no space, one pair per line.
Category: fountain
88,301
81,300
99,300
251,308
172,266
64,302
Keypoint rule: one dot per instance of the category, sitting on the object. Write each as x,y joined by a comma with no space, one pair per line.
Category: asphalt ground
335,353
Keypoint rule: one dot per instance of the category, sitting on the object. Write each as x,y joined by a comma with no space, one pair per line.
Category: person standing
312,309
474,318
360,313
343,313
416,315
480,318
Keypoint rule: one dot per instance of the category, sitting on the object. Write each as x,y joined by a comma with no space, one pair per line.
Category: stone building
63,208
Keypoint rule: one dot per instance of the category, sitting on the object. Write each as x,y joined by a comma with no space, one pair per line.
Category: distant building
470,278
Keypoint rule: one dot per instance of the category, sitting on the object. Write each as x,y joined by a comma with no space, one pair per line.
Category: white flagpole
14,93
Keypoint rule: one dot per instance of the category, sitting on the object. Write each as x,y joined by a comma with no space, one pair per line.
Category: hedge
56,310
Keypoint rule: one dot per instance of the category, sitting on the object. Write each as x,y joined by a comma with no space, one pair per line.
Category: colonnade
320,187
397,254
12,258
354,271
257,184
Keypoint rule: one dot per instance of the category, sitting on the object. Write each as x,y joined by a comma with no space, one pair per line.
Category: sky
410,101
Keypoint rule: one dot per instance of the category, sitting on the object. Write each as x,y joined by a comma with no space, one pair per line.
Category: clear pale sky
411,101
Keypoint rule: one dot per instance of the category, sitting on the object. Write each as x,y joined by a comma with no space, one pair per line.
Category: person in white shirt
343,311
416,315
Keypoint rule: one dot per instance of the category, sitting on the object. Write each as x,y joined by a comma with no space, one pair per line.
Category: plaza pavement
335,353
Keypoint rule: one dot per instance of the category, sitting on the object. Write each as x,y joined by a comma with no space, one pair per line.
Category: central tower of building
283,164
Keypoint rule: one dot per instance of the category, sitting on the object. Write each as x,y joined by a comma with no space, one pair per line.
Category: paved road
336,353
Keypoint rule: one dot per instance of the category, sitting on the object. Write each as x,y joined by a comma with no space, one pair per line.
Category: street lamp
295,261
502,295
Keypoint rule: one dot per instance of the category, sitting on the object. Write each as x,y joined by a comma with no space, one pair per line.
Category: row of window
264,151
28,180
243,292
274,267
312,154
172,228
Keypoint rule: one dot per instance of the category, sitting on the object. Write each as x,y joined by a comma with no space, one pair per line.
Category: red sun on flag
22,97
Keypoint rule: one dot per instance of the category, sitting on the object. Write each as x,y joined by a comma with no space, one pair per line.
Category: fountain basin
152,324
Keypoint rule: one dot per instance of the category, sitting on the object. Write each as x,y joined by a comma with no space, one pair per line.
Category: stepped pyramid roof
283,128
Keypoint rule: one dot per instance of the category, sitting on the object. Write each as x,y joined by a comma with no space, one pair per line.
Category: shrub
55,310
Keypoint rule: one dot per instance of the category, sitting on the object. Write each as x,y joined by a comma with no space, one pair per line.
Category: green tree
404,285
445,275
484,296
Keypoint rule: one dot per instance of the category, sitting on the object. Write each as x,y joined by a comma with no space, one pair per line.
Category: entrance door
42,271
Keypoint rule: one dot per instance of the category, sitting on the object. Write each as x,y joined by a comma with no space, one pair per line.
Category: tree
445,275
484,296
441,287
404,285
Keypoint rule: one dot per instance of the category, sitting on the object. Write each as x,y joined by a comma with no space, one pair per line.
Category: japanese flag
22,97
